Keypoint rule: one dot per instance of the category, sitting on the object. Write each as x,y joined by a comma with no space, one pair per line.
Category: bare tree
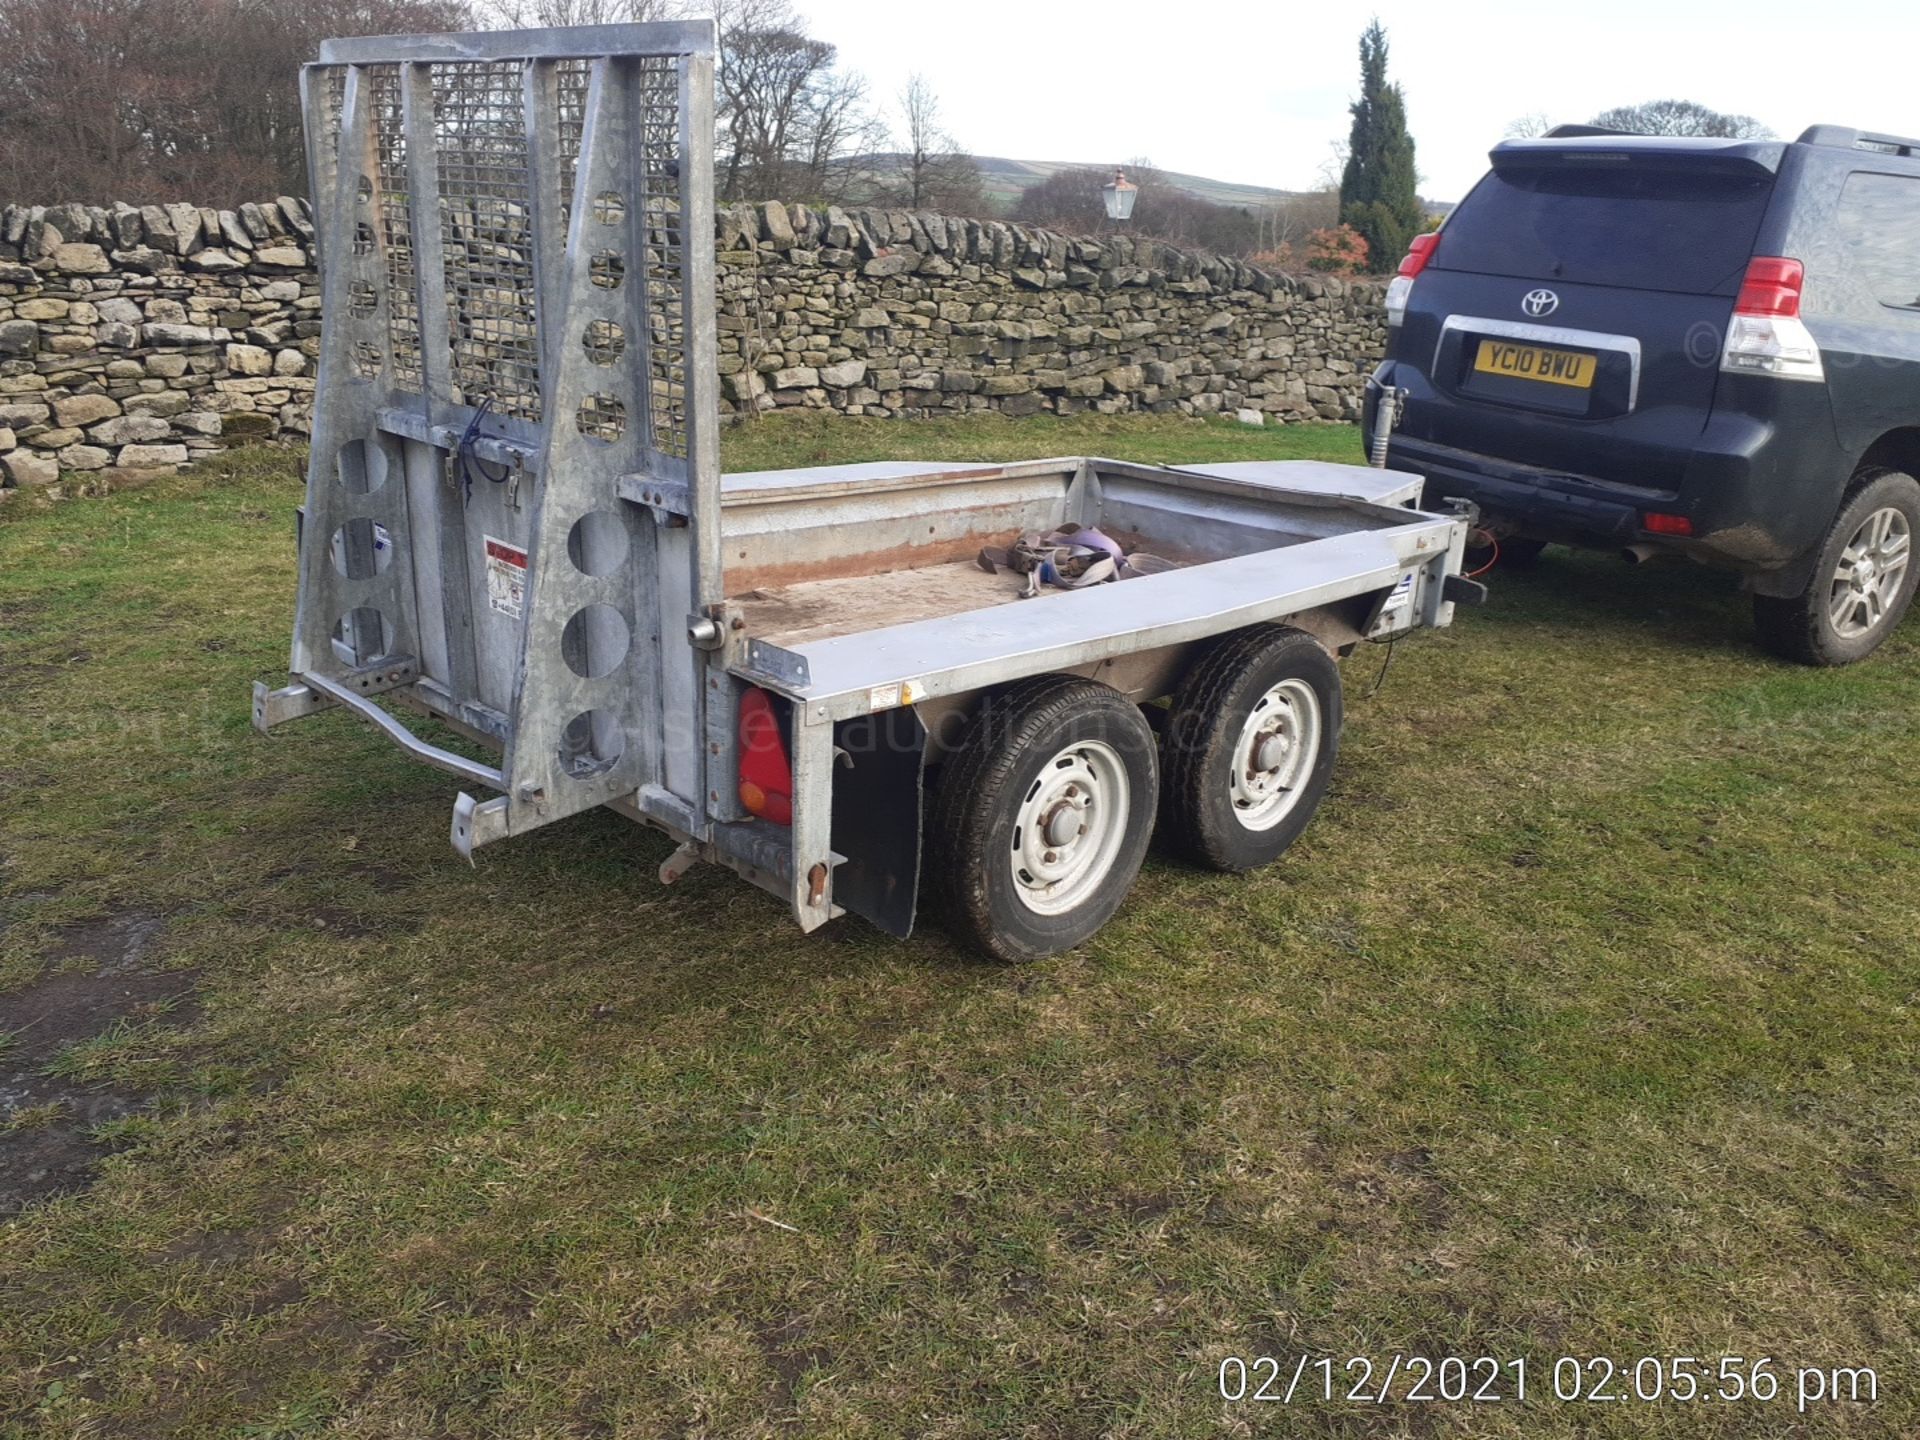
74,93
546,14
935,173
841,132
1069,200
1529,126
767,81
1333,168
1681,117
1282,228
793,126
149,100
146,100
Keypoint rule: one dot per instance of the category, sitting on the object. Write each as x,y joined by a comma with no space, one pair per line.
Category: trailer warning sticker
506,577
891,697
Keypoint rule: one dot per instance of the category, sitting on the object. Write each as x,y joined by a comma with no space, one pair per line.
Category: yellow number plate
1530,362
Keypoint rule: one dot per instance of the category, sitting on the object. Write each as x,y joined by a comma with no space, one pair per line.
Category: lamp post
1119,195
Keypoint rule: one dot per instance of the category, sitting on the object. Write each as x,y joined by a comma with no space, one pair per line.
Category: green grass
1581,1022
821,438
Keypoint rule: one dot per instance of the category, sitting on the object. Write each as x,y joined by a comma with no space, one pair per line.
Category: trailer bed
787,597
848,581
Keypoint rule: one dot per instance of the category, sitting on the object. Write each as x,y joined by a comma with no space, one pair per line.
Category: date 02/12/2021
1570,1379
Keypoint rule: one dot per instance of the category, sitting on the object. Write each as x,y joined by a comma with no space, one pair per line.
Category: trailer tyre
1249,747
1042,816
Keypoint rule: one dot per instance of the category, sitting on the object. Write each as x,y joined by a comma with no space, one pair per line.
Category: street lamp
1119,195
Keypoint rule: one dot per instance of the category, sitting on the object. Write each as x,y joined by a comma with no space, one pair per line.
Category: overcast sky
1256,92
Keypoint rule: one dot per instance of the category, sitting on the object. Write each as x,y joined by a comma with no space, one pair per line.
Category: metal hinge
670,500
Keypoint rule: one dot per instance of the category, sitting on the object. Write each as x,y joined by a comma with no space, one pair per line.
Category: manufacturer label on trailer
1396,614
506,578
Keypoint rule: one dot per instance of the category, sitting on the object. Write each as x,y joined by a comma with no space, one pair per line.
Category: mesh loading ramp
517,289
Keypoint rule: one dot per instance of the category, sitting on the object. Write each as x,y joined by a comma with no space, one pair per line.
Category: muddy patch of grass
59,1033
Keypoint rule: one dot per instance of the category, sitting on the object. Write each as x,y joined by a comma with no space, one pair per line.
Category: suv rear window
1642,227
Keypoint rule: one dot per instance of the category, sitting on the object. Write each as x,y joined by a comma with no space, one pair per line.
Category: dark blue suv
1705,346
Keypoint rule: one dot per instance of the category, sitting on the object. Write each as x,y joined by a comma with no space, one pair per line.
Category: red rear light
1419,251
1657,524
766,776
1772,287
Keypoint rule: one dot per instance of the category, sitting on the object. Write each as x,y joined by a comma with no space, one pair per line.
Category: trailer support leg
290,702
679,862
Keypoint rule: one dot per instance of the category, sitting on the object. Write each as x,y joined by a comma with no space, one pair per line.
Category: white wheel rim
1070,826
1871,571
1275,755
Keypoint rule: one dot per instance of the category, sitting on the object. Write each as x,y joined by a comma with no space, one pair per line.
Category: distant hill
1005,179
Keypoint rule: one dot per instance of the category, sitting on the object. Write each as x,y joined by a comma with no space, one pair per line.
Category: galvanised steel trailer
515,524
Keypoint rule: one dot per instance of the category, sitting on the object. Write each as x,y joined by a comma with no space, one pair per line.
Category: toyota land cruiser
1705,346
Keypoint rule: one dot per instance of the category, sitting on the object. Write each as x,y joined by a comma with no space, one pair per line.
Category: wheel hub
1069,828
1269,752
1064,824
1275,754
1870,572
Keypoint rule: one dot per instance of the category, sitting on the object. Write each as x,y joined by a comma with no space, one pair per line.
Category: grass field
1581,1023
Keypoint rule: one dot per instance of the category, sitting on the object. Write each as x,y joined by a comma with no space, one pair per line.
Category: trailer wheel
1249,747
1042,817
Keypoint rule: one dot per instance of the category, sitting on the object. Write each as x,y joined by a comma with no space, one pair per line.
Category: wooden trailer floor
821,609
849,604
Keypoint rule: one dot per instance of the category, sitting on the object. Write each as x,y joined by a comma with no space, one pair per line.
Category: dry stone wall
139,336
136,337
889,312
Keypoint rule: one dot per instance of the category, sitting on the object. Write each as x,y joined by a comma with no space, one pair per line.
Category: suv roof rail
1850,139
1574,132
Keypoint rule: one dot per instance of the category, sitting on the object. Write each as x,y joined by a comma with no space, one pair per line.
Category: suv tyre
1863,578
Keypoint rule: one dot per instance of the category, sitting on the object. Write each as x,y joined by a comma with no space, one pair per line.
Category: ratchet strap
1071,558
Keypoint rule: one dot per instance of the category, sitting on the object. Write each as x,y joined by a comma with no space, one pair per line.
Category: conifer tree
1377,189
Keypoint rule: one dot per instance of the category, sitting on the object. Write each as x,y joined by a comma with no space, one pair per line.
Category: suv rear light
1419,252
1766,335
766,776
1771,287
